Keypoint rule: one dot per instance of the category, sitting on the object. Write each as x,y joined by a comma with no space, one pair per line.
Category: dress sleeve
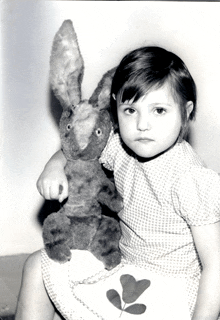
110,151
196,196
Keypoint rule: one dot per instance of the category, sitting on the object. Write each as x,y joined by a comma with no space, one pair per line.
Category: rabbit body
85,127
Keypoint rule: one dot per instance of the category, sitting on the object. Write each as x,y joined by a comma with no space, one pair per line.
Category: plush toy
84,127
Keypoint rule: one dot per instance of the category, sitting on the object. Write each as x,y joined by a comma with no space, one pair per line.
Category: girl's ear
185,125
189,108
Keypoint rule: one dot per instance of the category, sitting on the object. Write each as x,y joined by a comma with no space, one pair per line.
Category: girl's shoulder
194,168
196,192
189,156
194,173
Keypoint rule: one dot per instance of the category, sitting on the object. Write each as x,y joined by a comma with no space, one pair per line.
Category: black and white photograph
110,160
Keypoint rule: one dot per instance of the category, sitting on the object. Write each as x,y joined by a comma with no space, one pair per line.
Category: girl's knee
33,262
32,270
33,301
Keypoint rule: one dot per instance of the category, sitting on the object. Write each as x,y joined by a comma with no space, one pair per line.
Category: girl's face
152,124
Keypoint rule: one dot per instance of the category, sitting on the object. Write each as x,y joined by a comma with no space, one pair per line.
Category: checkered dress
162,199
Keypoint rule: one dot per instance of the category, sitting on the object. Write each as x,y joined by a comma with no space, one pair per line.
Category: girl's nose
143,124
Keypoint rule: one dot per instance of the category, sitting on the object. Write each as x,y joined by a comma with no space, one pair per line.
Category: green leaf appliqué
136,308
114,298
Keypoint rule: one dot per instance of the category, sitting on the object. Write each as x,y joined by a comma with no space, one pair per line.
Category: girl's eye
160,111
98,132
68,126
129,111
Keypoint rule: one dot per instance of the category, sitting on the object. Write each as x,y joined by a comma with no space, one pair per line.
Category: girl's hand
52,183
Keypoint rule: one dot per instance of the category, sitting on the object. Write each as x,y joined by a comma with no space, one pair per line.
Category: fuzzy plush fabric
84,128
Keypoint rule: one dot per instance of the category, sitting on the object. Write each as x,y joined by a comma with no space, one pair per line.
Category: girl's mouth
144,139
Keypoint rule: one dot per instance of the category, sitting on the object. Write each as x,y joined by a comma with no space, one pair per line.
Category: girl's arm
207,241
52,183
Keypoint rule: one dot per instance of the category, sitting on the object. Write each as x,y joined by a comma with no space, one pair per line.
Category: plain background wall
106,31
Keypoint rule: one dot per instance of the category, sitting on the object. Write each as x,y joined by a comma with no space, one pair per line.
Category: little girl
171,217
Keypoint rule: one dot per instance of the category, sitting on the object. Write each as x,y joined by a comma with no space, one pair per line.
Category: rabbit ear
101,96
66,66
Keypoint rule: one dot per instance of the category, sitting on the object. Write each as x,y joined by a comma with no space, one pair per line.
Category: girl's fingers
63,192
46,193
39,188
54,191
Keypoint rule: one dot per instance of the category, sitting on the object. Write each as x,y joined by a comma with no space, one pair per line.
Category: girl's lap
83,289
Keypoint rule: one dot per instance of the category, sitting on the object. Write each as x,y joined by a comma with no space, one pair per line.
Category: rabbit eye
98,132
68,126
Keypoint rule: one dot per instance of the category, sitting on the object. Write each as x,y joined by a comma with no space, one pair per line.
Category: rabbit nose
82,135
83,128
82,144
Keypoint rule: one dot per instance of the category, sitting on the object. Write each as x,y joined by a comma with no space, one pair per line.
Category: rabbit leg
57,236
105,244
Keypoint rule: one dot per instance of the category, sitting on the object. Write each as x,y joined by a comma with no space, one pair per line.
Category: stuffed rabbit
85,127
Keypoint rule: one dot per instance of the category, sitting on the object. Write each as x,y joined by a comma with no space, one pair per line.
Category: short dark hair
149,68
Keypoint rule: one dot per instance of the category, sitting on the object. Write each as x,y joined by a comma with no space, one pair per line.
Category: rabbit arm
109,196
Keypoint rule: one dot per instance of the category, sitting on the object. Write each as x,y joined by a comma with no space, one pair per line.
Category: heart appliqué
131,291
